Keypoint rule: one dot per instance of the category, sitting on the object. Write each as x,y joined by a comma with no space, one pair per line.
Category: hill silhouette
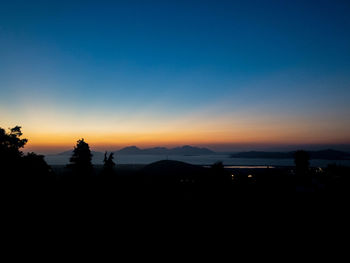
174,173
170,167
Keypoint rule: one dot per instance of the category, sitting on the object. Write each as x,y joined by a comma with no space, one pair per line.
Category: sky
220,74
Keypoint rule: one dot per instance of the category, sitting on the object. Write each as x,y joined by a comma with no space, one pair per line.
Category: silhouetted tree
218,166
108,164
10,154
220,176
17,167
303,180
80,162
10,143
301,160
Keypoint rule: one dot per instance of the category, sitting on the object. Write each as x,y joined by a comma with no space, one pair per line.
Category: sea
198,160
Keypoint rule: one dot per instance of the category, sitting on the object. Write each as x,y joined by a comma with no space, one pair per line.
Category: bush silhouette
218,166
220,176
303,179
36,167
301,160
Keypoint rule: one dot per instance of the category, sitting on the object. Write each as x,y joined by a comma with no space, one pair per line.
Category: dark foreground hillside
169,181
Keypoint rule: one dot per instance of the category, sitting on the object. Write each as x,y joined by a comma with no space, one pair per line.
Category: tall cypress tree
108,164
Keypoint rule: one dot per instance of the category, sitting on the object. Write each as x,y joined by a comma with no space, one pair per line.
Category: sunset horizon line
217,148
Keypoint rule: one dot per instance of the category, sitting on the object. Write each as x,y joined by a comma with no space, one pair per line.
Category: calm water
200,160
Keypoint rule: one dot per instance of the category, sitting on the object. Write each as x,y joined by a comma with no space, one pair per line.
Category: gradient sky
168,73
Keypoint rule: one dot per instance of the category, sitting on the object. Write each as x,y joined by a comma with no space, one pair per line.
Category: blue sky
184,66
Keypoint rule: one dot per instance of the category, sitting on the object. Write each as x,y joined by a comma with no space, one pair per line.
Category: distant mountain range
184,150
190,150
132,150
323,155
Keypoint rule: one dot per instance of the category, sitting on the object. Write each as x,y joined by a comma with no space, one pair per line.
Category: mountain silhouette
184,150
131,150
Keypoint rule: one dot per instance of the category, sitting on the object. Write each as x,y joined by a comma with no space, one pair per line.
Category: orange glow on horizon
49,130
100,141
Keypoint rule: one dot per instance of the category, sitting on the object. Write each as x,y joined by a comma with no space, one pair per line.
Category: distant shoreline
329,154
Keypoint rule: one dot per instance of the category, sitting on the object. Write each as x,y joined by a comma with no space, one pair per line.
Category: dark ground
167,196
171,180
